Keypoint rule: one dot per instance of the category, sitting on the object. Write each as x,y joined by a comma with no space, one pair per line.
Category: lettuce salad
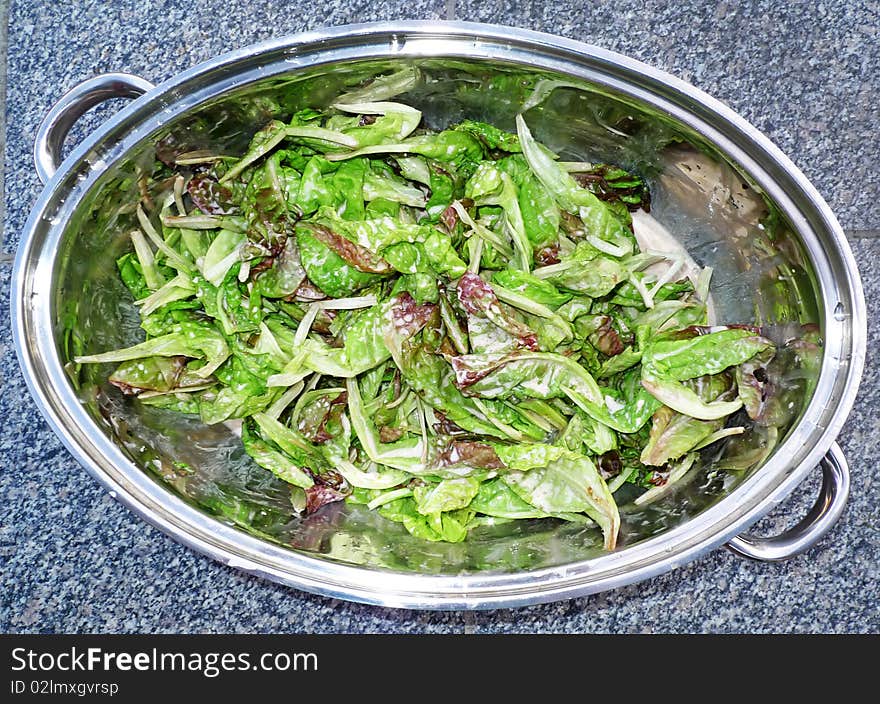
453,328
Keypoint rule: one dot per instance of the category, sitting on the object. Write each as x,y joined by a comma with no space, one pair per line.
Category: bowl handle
813,527
72,105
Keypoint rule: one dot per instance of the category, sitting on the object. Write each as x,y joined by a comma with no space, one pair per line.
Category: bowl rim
31,309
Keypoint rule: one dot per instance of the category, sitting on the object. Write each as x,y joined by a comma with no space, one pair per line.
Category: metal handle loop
813,527
72,105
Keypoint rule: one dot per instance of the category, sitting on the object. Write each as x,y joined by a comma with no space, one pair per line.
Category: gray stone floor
4,9
73,560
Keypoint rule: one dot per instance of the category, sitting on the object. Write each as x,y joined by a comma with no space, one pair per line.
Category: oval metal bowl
717,183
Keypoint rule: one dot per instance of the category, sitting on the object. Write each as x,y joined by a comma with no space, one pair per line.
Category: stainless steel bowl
715,183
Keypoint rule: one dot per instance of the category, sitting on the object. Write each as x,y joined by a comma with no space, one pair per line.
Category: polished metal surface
73,105
811,528
716,183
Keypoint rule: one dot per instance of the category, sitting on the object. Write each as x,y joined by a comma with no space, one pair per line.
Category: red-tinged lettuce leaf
471,453
210,196
388,434
354,254
475,294
612,185
754,384
478,299
280,274
449,218
327,269
307,291
408,316
606,339
319,495
547,255
428,375
317,414
374,335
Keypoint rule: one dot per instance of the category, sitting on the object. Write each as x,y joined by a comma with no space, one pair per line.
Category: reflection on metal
812,527
73,105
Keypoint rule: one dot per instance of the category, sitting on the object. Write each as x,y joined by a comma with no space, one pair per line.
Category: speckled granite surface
73,560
